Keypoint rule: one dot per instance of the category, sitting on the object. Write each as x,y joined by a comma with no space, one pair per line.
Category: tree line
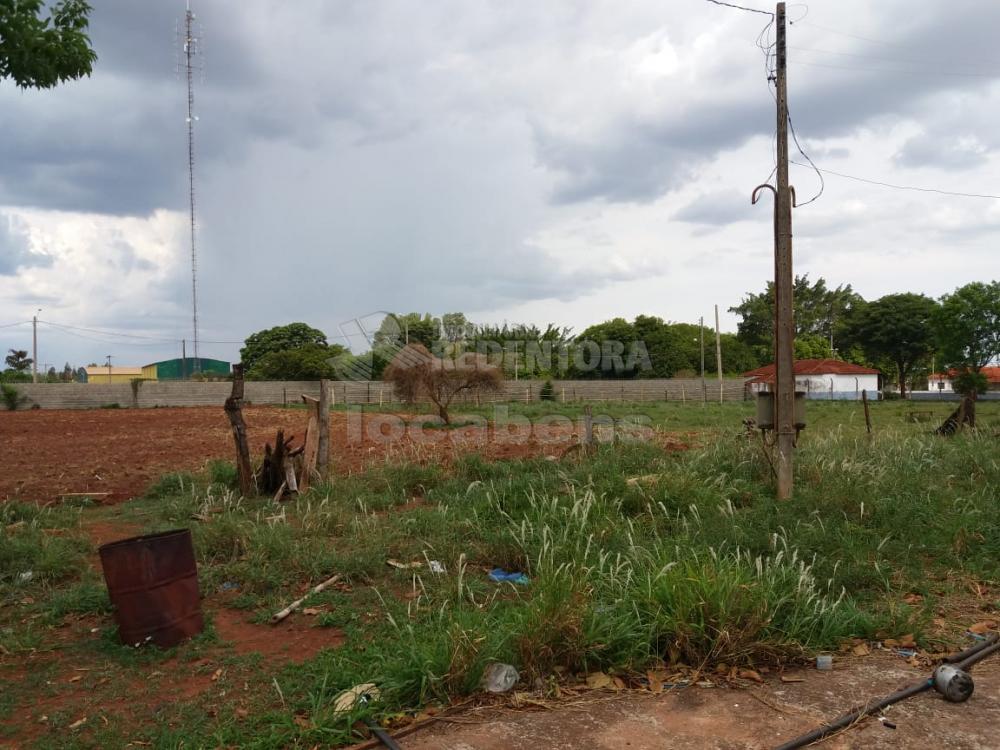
904,335
18,370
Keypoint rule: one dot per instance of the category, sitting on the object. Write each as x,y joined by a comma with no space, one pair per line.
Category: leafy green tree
897,327
40,52
967,326
672,349
455,326
818,310
279,339
812,346
309,362
18,360
737,356
397,330
537,352
610,340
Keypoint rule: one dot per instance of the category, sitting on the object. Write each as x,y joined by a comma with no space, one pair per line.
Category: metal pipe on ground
963,660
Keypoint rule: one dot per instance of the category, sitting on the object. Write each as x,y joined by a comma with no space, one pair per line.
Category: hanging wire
883,43
894,186
742,7
766,46
869,69
73,330
11,325
822,182
877,58
109,333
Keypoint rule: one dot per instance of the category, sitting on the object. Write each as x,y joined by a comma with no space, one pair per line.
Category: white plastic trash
499,678
824,662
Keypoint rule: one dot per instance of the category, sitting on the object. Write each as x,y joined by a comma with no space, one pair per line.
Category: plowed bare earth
48,453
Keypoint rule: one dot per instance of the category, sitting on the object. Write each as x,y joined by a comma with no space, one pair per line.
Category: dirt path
750,719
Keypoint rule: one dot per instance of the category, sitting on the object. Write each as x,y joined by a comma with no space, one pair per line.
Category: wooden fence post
234,410
323,457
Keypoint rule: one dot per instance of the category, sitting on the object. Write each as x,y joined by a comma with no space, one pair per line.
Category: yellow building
105,375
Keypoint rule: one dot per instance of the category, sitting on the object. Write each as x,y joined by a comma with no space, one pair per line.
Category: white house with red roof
831,379
940,382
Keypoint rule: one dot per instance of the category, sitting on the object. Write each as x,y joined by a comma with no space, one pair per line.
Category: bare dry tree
416,373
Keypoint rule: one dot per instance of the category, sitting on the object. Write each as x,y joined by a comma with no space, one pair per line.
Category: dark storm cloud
115,143
831,96
15,249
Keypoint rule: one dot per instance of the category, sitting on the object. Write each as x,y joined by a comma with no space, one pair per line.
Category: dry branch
279,616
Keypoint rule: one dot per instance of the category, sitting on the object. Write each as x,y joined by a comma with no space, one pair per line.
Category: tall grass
694,564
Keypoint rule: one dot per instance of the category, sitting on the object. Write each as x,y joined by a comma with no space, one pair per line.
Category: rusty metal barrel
153,584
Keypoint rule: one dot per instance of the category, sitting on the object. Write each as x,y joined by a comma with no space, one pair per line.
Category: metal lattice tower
190,51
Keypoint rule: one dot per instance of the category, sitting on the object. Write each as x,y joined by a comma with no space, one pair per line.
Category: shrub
416,373
11,398
548,392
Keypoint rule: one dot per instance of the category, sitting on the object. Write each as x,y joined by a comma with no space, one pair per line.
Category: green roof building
182,369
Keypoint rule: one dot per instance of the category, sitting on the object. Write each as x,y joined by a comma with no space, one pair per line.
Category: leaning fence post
234,410
323,456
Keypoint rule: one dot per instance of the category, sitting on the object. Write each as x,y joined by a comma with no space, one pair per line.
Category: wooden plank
311,452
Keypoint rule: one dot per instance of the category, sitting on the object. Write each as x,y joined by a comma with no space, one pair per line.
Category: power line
898,187
742,7
106,340
883,43
119,334
868,69
11,325
896,60
104,332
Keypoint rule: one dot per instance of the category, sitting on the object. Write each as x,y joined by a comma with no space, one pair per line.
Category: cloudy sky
564,161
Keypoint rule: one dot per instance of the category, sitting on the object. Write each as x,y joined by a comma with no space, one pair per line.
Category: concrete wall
186,393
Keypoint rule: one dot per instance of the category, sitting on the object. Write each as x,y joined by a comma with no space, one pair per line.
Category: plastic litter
499,678
229,586
359,695
502,576
26,576
824,662
436,567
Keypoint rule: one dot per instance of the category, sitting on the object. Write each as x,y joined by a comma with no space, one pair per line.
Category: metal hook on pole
755,196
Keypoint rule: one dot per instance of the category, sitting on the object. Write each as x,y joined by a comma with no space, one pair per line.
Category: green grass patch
635,555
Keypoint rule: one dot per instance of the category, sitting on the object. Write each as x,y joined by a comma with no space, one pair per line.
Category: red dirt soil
755,718
121,452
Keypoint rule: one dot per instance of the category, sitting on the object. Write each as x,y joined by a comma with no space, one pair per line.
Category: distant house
940,382
182,369
104,375
830,379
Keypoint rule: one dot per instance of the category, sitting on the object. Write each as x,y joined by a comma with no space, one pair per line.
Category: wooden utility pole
784,324
701,333
718,353
34,348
